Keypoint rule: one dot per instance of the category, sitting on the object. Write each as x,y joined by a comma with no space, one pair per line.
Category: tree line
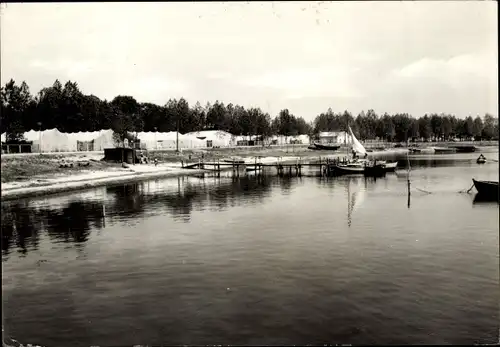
69,110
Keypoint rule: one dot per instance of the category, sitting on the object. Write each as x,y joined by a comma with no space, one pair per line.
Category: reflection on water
71,223
258,259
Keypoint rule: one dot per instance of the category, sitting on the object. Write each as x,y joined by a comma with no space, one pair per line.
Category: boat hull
465,149
390,167
347,170
443,150
375,170
233,161
486,189
326,147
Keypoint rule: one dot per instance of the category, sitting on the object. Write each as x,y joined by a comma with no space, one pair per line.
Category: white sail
356,145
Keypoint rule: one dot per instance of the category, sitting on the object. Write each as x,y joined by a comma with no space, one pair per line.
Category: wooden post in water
408,178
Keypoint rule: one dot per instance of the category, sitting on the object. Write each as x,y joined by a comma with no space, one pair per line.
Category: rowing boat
487,189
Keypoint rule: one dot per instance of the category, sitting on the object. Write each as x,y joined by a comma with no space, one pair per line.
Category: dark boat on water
486,189
465,149
444,150
481,199
375,170
325,147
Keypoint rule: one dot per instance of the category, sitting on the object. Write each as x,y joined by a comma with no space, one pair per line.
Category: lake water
258,259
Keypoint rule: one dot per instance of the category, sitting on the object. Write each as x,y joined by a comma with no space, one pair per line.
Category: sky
410,56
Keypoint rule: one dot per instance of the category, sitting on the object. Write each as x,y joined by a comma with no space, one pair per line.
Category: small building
18,146
333,137
121,154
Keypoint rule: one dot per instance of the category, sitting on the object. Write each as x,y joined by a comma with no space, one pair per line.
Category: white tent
32,135
217,138
52,140
105,139
4,137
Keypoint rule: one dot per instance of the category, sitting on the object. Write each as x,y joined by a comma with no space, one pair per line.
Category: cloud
310,56
306,82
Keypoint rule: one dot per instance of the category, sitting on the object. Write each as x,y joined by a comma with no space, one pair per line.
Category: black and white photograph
259,173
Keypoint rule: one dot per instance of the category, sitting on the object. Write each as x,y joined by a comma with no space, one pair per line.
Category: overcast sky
415,57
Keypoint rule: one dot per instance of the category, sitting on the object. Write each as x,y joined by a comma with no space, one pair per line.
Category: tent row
53,140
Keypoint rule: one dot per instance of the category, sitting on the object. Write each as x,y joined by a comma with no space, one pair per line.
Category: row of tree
69,110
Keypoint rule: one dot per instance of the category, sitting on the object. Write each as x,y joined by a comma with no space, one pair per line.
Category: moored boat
234,160
326,147
375,169
390,166
486,189
444,150
347,169
465,149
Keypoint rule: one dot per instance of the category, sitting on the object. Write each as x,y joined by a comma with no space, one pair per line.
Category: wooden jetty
325,166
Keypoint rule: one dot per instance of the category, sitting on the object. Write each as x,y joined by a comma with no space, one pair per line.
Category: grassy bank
40,166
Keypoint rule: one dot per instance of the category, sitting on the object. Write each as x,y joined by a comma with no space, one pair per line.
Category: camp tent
52,140
105,139
215,138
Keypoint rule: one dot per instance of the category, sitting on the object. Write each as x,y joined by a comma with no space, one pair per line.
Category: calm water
258,260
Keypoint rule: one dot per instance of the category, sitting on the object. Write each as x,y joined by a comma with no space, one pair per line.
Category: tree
216,117
468,127
489,127
424,127
477,127
125,113
414,128
446,126
436,126
15,102
388,127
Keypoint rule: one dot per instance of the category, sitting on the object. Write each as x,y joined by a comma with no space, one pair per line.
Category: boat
326,147
486,189
465,149
390,167
353,165
375,169
481,159
234,160
444,150
348,169
481,199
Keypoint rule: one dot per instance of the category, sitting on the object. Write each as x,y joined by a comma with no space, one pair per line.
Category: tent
215,138
105,139
4,137
52,140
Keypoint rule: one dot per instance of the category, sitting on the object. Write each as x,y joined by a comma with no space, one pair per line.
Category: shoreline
88,179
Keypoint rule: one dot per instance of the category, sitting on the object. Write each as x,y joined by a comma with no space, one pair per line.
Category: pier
325,166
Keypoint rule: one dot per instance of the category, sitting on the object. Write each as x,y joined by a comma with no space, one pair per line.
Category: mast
346,147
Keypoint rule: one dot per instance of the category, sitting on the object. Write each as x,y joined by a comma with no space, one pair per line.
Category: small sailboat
353,165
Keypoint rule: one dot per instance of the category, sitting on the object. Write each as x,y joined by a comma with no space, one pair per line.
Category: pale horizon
395,57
